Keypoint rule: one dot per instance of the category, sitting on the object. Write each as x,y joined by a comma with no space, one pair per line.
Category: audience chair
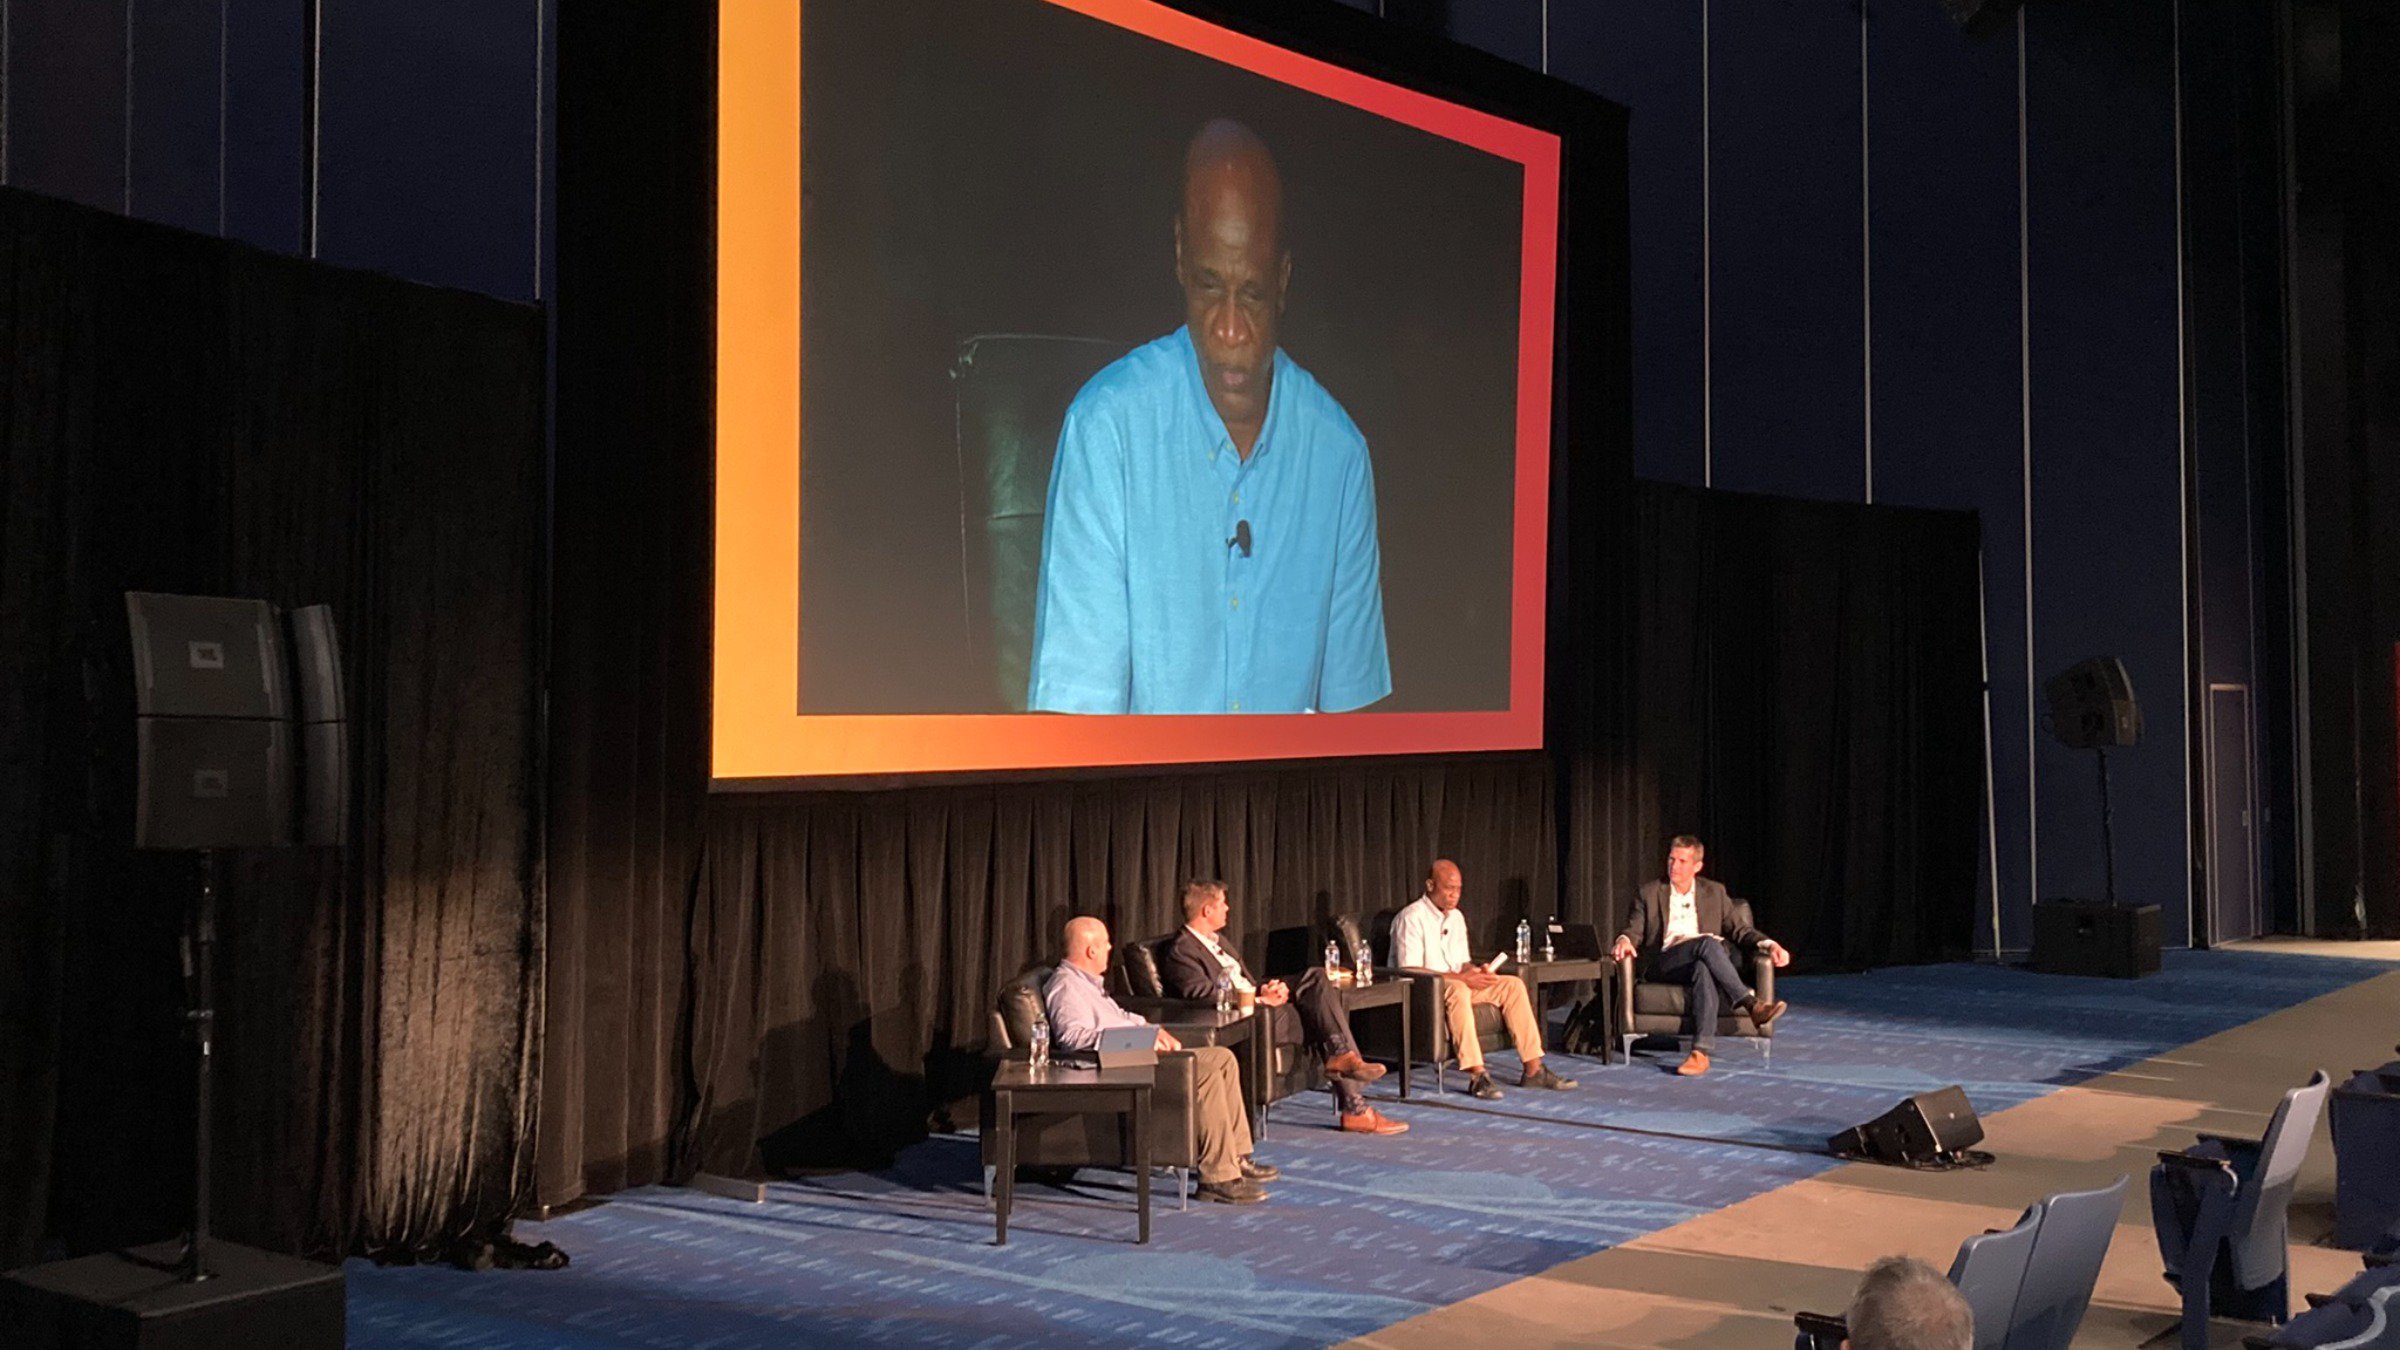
2064,1265
1664,1009
1135,983
2029,1286
1428,1030
1988,1271
2220,1207
2363,1313
1064,1140
1011,392
2364,1116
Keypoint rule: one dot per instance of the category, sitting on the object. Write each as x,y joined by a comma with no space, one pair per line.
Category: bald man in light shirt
1080,1009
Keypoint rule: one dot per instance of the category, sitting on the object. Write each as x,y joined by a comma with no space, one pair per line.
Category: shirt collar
1208,940
1088,976
1196,392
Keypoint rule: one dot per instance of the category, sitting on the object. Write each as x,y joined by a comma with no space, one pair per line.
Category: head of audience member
1904,1304
1231,263
1444,885
1087,944
1685,856
1205,906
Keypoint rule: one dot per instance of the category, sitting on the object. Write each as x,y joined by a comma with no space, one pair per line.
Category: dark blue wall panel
266,124
1788,354
2107,489
1505,28
66,99
1945,425
174,156
2233,275
427,162
1647,57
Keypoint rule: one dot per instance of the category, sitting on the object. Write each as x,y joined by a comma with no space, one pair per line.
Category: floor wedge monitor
1930,1129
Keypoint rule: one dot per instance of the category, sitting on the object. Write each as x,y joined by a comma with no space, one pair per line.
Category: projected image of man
1209,543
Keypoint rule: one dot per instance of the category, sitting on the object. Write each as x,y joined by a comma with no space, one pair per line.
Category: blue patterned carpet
1361,1232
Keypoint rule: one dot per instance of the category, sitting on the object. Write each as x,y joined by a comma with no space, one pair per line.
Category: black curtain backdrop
1808,677
756,983
180,414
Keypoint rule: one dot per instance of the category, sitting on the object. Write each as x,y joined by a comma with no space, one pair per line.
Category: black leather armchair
1049,1140
1012,392
1664,1009
1137,986
1428,1030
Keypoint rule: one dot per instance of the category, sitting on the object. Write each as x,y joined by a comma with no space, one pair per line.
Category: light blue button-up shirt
1080,1009
1146,607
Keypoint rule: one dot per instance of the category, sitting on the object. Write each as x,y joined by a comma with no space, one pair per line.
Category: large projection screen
1100,386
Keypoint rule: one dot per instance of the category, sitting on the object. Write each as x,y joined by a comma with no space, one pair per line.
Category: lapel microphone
1241,537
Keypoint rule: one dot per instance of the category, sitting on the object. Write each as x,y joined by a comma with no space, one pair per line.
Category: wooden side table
1602,973
1017,1087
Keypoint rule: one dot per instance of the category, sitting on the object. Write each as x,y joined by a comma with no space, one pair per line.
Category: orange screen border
758,734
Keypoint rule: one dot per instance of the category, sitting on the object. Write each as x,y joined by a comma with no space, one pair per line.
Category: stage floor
1638,1210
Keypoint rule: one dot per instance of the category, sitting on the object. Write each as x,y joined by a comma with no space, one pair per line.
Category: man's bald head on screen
1230,260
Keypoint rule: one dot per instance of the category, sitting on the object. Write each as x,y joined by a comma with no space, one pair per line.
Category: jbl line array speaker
2092,705
224,762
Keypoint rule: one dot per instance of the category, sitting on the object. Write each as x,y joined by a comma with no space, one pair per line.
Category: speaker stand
2108,843
200,970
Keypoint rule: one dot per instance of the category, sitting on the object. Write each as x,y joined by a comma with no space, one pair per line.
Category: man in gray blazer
1684,926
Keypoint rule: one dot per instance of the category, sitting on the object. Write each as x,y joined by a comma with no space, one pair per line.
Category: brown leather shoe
1763,1013
1236,1191
1694,1065
1541,1076
1372,1121
1349,1065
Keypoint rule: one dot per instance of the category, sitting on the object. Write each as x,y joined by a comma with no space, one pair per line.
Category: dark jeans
1704,966
1317,1018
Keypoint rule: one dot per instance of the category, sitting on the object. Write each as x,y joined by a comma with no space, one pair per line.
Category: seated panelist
1312,1014
1430,934
1080,1009
1681,927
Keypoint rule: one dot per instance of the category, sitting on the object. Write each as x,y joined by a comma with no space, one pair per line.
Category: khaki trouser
1218,1113
1506,991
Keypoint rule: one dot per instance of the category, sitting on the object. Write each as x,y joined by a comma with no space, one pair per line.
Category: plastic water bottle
1524,942
1366,966
1550,939
1037,1050
1224,993
1333,958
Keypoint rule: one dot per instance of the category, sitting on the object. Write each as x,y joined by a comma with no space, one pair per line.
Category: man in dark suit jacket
1684,927
1312,1014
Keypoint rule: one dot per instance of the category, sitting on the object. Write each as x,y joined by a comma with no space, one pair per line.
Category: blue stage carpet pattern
1361,1232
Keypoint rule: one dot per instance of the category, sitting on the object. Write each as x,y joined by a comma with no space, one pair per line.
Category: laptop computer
1127,1047
1575,941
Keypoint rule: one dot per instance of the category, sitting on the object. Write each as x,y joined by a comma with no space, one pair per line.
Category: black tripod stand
200,982
2108,843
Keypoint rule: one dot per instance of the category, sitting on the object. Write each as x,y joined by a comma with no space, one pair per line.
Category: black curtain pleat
185,415
1809,694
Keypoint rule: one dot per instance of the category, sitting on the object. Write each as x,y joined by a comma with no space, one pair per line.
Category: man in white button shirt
1431,935
1684,927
